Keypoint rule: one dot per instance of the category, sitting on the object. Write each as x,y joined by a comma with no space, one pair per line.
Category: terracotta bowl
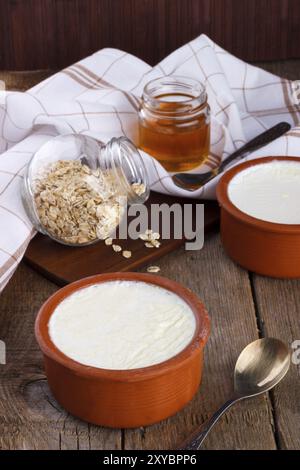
124,398
266,248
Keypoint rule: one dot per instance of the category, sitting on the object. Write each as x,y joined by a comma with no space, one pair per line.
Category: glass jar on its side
174,122
76,189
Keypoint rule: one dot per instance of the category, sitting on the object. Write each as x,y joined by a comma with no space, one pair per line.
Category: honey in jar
174,123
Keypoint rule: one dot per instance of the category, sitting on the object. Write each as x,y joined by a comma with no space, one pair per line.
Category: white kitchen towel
100,95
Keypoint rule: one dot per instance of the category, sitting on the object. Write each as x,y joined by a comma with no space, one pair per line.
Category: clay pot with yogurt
260,215
116,374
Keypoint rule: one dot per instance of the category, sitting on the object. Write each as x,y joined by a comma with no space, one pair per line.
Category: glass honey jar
174,122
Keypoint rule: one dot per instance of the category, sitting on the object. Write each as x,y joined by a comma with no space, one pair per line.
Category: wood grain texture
46,34
240,312
225,290
22,81
64,264
278,304
30,418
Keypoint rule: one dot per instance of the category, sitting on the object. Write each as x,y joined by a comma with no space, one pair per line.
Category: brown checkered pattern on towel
100,96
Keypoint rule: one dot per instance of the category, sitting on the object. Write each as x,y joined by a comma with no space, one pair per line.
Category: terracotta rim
224,201
50,350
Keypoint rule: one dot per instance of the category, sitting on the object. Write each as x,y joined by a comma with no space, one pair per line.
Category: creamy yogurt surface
122,325
268,191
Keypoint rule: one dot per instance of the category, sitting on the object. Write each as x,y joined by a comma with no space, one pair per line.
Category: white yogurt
268,191
122,325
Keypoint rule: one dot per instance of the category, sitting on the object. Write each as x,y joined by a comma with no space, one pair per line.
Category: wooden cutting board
63,264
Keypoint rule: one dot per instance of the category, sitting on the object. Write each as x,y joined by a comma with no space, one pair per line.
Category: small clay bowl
266,248
124,398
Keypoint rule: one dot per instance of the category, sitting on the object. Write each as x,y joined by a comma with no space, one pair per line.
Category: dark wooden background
50,34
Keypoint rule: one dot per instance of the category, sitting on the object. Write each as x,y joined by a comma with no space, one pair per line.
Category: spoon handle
196,439
193,181
254,144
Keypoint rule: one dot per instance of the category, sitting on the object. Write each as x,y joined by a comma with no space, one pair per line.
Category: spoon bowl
260,366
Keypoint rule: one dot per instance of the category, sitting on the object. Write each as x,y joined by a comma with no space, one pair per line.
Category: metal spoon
194,181
260,366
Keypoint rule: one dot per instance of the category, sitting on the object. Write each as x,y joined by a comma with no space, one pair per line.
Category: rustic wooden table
242,306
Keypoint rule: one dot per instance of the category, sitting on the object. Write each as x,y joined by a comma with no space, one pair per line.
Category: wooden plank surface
278,304
226,292
55,33
30,417
63,264
241,307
